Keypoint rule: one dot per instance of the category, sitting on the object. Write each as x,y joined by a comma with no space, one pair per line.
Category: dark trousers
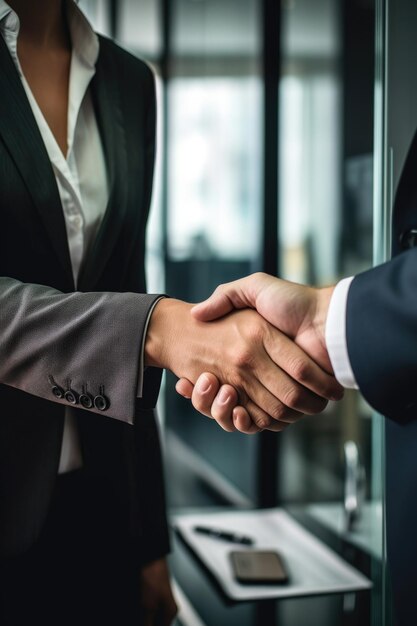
79,571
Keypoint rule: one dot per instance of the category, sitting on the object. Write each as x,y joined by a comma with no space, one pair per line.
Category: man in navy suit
364,329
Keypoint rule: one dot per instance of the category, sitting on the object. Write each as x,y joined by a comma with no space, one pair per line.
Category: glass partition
331,172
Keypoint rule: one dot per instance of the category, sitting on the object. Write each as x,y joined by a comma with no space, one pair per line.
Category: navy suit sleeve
381,329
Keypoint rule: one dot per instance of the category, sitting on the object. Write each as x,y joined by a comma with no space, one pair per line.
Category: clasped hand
283,364
248,369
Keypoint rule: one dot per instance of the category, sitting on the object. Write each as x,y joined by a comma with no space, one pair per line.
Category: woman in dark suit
83,533
89,545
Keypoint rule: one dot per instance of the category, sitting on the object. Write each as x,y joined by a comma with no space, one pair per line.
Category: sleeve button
58,392
101,402
71,397
86,400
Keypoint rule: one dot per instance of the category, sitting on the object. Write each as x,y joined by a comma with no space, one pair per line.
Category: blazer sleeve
381,328
85,341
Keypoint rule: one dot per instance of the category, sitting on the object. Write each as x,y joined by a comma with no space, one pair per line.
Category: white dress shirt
336,338
80,175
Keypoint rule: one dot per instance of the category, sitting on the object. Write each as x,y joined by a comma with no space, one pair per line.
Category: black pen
225,535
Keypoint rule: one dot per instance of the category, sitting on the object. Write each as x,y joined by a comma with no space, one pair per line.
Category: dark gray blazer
52,337
382,345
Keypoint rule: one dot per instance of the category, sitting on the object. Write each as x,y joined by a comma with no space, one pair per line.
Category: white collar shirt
80,175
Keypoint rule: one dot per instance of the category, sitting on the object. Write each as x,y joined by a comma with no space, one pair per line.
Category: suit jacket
52,338
382,346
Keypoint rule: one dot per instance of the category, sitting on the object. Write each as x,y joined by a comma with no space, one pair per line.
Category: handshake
253,356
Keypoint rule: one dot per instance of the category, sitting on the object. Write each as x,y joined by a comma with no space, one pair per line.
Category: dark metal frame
269,443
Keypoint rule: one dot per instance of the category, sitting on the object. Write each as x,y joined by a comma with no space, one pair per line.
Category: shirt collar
84,41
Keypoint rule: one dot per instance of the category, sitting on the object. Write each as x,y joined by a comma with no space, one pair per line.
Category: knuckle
243,357
257,332
293,396
262,422
277,411
300,369
255,325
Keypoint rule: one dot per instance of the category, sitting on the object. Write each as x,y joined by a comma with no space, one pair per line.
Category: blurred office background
265,162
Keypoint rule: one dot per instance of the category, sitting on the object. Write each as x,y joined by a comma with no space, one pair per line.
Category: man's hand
157,601
275,380
298,311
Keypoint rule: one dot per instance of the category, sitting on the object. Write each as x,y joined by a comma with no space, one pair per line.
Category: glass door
334,222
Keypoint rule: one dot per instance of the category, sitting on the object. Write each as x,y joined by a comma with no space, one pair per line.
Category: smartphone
262,567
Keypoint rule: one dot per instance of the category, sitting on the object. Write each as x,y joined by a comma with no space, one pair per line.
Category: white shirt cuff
139,393
336,340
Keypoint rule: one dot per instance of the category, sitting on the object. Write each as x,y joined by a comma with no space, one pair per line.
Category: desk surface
214,609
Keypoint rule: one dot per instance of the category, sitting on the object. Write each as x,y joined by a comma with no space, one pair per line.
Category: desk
214,609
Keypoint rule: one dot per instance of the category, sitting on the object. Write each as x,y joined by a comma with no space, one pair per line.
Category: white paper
313,567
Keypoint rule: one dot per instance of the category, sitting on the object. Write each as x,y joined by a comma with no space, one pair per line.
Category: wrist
323,297
164,332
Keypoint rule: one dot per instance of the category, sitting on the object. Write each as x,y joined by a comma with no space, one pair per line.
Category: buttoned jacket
53,339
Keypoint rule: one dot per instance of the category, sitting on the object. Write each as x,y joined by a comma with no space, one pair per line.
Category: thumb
184,387
218,305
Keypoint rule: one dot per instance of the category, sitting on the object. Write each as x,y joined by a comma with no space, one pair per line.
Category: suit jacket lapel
20,133
106,99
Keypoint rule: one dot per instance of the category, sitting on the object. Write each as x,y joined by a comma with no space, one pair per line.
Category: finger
271,390
300,367
224,403
184,387
239,294
204,393
259,418
282,352
243,421
277,427
218,305
282,415
222,407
